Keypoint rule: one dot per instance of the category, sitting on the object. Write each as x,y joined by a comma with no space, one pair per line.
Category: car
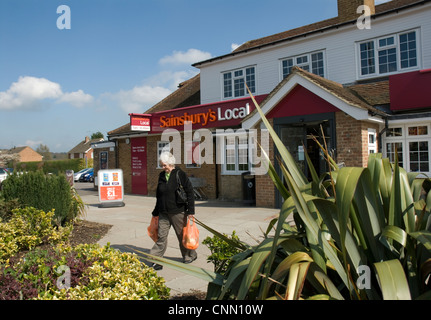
3,174
87,176
78,174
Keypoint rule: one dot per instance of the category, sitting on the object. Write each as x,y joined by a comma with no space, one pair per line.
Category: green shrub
28,228
54,166
221,251
95,273
44,192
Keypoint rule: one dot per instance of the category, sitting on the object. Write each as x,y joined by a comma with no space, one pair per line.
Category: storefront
353,90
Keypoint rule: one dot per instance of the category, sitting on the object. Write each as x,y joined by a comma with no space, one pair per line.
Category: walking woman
168,210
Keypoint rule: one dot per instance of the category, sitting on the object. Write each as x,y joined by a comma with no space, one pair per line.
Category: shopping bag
153,228
191,234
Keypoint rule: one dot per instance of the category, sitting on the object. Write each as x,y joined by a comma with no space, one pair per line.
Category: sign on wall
140,122
111,188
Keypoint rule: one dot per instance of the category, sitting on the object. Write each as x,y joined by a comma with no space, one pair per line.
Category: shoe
191,260
156,266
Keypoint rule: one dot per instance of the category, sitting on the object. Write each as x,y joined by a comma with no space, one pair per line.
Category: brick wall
352,140
125,163
29,155
206,171
347,9
265,189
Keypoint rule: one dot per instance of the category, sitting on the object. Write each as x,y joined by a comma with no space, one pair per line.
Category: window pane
227,85
419,156
408,50
317,64
418,131
239,88
287,67
394,132
250,79
391,149
388,60
367,58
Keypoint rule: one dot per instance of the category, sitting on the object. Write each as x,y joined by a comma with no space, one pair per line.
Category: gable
300,102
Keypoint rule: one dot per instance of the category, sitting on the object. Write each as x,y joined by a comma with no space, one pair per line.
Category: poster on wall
111,188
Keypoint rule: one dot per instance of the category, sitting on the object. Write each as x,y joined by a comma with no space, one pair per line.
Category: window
312,62
234,82
388,54
162,146
236,154
412,142
193,154
372,141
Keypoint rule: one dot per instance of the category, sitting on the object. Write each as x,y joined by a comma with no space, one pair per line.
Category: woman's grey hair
167,158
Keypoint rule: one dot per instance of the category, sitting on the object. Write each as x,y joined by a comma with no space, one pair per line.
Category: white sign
111,187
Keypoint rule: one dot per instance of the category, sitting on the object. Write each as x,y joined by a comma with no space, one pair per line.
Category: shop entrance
298,139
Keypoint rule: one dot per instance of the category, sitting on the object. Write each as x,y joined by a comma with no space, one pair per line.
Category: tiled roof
84,145
360,96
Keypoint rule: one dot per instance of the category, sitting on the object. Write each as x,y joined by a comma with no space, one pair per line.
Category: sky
69,69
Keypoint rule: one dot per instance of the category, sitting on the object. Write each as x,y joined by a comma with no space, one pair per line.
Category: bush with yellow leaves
27,228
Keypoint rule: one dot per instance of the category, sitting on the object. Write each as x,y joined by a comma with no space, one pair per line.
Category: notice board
111,188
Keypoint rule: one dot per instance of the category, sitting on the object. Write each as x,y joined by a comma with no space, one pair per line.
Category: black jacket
166,195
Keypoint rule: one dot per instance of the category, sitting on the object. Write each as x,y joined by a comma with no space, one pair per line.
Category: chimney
87,138
347,9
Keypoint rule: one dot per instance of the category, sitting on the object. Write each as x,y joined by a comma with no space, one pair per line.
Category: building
83,150
358,80
24,154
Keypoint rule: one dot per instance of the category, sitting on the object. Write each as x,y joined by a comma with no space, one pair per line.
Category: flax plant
358,234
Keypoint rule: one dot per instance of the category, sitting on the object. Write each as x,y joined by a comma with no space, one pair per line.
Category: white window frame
189,153
234,77
236,147
372,140
161,146
405,139
308,64
377,47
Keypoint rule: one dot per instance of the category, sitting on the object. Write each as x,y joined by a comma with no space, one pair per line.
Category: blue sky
119,56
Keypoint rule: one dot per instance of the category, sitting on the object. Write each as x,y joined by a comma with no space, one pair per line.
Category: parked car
3,174
78,174
87,176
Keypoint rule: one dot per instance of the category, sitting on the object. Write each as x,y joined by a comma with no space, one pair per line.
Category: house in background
83,150
25,154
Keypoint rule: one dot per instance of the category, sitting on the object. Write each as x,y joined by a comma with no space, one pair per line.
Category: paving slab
130,222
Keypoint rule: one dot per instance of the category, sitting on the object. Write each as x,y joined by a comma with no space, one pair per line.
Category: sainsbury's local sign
221,114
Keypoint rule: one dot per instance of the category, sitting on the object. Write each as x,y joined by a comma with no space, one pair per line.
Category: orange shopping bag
191,234
153,228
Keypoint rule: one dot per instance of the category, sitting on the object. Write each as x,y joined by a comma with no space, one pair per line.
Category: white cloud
76,99
32,93
191,56
140,98
33,144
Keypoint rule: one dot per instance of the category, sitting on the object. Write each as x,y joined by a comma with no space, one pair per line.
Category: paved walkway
131,221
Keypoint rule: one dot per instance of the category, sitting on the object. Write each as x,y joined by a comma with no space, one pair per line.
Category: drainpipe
381,134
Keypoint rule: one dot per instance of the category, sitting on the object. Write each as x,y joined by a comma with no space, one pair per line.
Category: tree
44,151
97,135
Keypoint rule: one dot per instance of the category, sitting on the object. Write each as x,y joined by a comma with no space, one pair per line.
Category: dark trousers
177,221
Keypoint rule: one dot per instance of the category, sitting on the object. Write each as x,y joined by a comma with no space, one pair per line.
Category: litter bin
248,189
